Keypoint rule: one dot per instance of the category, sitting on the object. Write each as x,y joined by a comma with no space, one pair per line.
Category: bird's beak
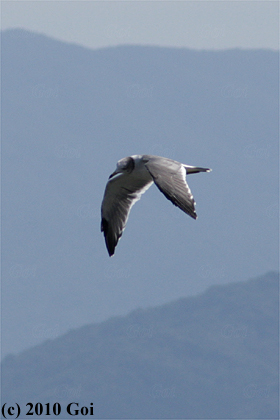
114,173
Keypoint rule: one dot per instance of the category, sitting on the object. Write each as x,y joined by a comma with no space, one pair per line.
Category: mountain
210,356
68,114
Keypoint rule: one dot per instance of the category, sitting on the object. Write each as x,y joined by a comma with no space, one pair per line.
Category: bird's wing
170,177
122,191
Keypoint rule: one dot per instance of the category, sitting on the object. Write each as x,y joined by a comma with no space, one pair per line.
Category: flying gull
132,177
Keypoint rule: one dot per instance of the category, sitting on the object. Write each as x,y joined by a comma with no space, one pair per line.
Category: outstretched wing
170,177
122,191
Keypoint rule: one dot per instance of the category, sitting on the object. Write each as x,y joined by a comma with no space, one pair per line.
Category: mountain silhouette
214,355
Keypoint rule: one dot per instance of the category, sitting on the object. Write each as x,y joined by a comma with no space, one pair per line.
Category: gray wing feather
170,177
120,195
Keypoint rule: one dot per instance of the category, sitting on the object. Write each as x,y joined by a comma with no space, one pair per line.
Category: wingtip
110,248
105,229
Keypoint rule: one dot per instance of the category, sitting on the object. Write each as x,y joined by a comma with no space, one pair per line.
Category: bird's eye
129,165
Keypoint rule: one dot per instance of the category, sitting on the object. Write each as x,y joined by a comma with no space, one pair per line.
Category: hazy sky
194,24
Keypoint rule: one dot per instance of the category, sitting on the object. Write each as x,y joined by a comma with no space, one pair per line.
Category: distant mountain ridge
210,356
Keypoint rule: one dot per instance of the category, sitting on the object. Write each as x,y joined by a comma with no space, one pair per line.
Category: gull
132,177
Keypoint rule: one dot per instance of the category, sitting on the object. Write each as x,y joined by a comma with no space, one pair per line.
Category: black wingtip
109,244
193,215
110,248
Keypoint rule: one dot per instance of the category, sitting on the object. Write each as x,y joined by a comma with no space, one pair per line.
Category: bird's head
125,165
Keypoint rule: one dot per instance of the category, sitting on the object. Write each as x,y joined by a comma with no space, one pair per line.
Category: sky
210,25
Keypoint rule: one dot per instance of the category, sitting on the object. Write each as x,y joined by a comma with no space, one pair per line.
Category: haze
192,24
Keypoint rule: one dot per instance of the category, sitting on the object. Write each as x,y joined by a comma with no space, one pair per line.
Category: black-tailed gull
132,177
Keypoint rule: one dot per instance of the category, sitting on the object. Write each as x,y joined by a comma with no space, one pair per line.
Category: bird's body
133,176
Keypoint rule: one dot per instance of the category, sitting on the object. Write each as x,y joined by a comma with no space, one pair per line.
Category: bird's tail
195,169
